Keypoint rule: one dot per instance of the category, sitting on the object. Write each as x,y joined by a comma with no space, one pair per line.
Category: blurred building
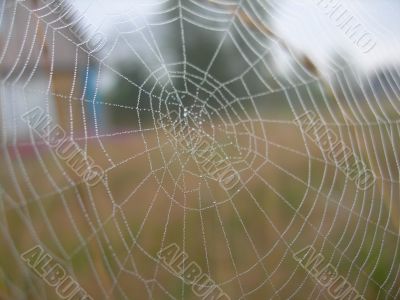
44,63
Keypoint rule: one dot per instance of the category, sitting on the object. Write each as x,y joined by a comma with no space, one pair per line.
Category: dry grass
94,231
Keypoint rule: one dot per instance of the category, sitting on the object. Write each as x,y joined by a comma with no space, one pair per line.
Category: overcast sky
302,22
311,29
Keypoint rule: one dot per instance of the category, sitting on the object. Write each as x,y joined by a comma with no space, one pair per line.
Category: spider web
156,192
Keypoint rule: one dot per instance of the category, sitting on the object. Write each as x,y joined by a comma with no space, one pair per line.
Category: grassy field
107,236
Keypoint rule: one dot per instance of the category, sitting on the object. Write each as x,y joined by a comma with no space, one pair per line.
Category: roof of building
34,35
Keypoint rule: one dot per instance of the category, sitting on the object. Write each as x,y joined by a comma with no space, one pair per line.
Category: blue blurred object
93,99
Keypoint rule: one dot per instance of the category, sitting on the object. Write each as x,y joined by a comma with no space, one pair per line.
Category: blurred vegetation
205,56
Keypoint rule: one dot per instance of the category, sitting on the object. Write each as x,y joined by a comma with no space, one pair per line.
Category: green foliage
195,64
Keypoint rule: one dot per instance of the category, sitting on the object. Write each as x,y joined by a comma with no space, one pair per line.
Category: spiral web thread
238,236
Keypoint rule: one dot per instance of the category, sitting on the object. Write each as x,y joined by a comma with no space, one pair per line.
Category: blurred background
117,75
